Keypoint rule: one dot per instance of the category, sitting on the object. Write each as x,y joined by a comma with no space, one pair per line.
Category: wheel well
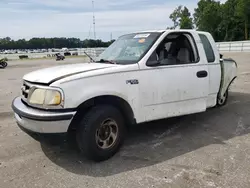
118,102
231,82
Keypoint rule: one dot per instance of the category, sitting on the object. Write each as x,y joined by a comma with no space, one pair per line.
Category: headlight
37,96
52,97
45,97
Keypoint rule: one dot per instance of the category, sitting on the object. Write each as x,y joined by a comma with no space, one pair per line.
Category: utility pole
93,5
90,31
111,37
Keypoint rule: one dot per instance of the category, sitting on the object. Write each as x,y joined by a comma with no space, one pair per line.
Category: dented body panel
172,91
229,73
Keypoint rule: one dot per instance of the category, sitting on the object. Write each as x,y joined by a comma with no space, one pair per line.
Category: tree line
229,21
45,43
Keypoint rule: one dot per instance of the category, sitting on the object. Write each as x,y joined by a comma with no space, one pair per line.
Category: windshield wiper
107,61
89,57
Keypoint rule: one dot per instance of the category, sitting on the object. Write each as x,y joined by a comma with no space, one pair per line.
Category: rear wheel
101,133
221,101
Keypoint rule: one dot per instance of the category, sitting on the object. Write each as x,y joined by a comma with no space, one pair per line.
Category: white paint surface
162,92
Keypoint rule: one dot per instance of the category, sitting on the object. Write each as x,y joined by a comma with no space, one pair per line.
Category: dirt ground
210,149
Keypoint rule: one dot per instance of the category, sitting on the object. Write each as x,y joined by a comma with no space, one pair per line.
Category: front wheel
101,133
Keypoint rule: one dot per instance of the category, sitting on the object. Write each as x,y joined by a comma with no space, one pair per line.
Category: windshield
129,49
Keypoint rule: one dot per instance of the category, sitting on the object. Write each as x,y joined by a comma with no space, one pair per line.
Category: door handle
202,74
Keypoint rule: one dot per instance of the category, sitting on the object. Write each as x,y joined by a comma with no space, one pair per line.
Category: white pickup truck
141,77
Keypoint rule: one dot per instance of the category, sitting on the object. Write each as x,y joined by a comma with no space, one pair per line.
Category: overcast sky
73,18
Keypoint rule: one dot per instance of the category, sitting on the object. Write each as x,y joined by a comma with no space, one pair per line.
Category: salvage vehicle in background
3,63
141,77
59,57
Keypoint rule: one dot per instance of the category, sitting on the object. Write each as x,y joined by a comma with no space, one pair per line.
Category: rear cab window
208,48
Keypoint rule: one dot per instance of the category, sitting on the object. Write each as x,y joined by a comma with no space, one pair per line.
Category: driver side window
175,49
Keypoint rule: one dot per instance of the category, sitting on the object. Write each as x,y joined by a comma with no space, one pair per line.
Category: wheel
221,101
3,64
101,133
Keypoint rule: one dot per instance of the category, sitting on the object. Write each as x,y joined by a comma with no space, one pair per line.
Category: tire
222,101
3,64
93,126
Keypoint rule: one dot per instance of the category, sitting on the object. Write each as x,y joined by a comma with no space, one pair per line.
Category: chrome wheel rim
106,134
222,99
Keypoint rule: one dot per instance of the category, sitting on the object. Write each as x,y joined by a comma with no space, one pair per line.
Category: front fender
95,92
80,91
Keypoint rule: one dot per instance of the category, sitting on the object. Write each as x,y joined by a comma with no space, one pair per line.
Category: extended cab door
213,61
174,80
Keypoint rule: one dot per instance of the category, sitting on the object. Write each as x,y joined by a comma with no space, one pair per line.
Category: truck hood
49,75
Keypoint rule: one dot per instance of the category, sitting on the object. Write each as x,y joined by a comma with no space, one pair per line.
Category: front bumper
41,121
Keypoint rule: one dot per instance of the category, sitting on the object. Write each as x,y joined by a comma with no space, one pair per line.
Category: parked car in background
3,63
59,57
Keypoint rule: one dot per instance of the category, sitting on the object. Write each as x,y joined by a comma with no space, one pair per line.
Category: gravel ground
210,149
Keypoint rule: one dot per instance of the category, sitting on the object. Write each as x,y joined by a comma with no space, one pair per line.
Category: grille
25,90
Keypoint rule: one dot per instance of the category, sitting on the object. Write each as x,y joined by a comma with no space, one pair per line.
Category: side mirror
153,63
153,60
